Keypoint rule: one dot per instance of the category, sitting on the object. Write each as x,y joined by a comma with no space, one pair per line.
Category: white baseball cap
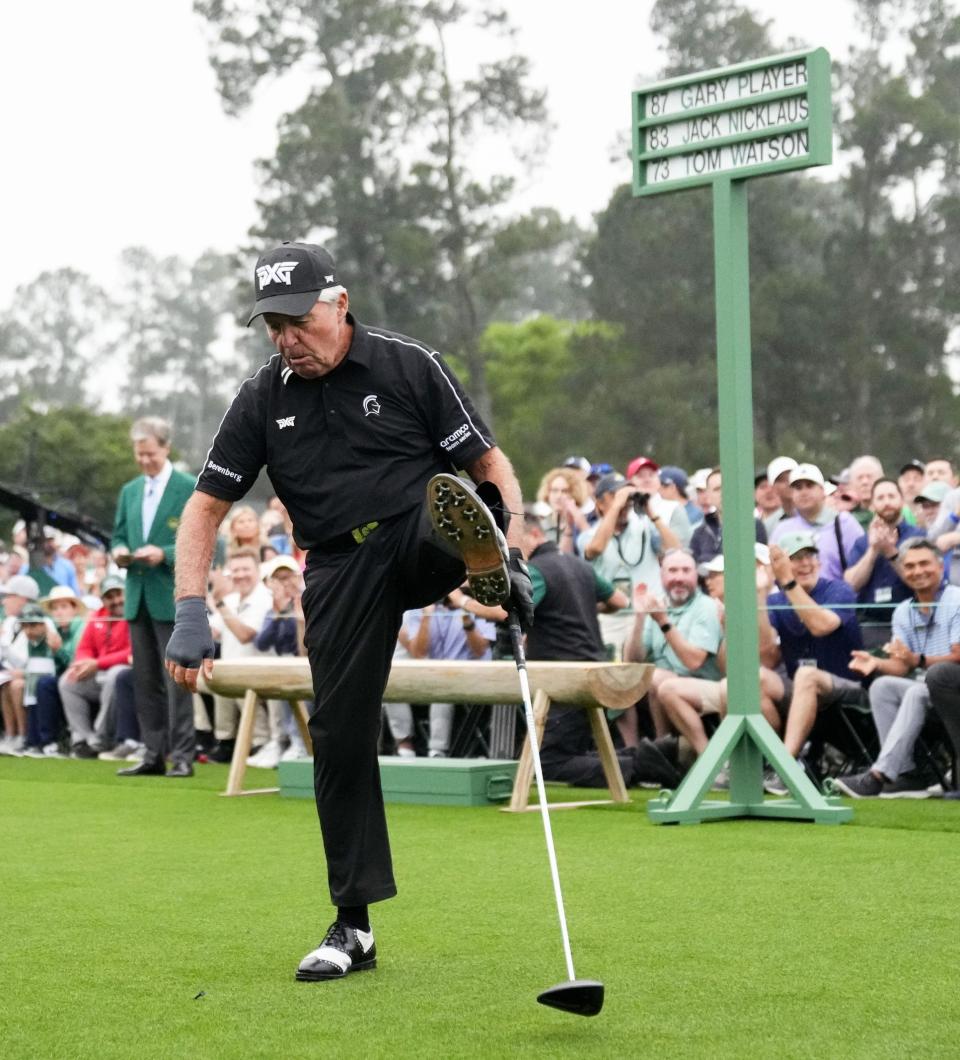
22,585
806,473
778,465
699,478
715,565
268,569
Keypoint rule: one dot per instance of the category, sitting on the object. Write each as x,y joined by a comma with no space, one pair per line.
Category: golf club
583,997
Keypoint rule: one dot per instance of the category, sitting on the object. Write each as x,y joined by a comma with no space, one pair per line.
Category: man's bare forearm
196,539
494,466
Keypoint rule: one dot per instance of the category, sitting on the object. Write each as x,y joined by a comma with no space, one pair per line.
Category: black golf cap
289,278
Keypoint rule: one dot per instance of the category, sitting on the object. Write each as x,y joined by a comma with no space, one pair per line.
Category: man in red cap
644,473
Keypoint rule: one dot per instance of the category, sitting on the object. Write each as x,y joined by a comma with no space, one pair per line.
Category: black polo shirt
353,446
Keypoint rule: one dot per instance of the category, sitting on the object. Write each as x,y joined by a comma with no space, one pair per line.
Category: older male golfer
355,425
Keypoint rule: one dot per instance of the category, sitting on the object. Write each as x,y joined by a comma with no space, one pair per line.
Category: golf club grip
516,641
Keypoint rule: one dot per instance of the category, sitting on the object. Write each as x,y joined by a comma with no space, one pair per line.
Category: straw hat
63,592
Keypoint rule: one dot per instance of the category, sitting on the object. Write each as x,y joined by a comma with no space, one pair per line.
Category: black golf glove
191,641
521,589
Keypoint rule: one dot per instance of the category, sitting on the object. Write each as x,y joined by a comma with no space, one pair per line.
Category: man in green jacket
144,541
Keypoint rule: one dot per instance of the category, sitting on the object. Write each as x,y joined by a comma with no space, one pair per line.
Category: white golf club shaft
542,796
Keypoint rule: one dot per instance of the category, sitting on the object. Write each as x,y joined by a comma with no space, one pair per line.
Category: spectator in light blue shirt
680,634
926,630
439,631
57,567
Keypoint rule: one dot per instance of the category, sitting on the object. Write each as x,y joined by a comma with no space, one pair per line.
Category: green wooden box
436,781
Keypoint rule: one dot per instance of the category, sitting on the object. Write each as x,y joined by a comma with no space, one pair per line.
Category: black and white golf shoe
467,524
344,950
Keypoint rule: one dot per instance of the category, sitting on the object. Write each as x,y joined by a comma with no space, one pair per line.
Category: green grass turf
125,899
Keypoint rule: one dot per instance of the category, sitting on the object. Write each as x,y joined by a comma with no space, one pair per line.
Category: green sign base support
745,740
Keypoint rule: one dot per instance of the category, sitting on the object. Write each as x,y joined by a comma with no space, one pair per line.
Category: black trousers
164,708
943,682
353,604
567,752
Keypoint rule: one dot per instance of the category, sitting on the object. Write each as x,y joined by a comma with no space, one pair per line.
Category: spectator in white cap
835,532
698,484
281,634
778,475
765,497
945,529
927,503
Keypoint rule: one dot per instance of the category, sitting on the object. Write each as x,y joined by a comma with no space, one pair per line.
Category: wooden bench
593,687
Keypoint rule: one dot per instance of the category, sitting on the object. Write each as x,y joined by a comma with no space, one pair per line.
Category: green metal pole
731,255
735,408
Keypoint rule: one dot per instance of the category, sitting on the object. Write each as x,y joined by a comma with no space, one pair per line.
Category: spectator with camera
624,546
644,473
445,630
564,492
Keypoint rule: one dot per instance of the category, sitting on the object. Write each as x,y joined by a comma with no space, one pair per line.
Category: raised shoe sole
466,522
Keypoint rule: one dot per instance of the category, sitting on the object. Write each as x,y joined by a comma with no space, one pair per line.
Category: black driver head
582,997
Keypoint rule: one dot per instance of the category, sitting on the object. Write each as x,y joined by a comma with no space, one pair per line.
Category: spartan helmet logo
371,407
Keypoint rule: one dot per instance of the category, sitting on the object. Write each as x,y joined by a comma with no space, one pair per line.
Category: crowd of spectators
858,604
67,665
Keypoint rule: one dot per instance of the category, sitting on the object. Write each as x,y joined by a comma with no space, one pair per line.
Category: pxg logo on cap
289,278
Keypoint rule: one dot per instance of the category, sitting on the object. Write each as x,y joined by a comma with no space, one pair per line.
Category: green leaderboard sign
743,121
722,128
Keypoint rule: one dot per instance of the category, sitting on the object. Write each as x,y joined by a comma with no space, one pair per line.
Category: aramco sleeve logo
279,272
371,407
